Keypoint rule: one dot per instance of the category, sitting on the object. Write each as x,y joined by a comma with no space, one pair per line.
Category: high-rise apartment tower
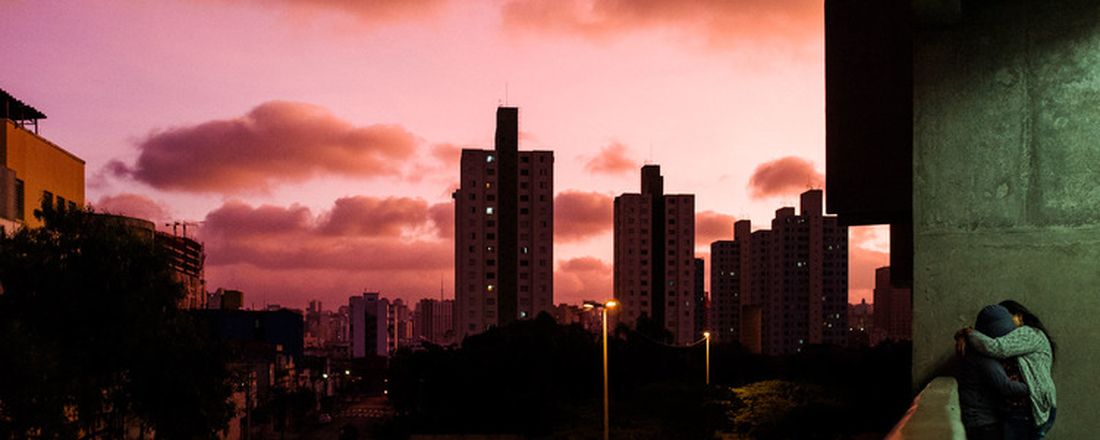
655,257
504,232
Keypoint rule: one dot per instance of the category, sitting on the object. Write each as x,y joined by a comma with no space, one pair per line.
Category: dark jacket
985,390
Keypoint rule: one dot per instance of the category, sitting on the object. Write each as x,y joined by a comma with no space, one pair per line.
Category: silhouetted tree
91,339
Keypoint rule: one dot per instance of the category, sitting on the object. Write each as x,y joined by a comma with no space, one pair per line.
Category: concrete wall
42,166
1007,184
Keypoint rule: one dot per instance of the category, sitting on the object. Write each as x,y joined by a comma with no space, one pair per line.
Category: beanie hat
994,321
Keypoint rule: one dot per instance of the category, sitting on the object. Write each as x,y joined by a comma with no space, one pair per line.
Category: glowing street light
610,304
706,336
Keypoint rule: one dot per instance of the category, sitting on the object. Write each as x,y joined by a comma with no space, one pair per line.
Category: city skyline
397,93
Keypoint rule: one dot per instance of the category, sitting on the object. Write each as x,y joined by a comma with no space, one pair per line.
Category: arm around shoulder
1018,342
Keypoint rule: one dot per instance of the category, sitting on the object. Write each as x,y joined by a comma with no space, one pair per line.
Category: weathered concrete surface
935,414
1007,184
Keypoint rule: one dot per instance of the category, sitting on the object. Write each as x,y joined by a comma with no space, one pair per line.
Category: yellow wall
42,166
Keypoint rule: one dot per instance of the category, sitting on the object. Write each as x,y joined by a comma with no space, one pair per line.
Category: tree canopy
92,341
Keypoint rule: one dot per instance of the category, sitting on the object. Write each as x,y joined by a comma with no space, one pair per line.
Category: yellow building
33,170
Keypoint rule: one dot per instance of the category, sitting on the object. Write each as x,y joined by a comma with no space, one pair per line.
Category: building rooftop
16,110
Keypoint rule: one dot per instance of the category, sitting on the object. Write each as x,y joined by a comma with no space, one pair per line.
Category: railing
934,415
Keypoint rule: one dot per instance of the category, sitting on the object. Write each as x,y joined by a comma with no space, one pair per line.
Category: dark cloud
786,176
133,205
711,226
275,142
368,216
612,159
579,215
720,23
357,234
582,278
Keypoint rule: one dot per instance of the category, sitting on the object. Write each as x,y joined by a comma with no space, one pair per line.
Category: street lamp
706,337
603,307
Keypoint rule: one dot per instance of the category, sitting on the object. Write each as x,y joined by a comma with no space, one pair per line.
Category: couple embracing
1005,386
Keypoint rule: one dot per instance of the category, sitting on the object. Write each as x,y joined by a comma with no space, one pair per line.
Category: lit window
489,288
489,210
489,158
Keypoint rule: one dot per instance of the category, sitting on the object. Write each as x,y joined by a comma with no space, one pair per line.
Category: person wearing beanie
1031,346
987,394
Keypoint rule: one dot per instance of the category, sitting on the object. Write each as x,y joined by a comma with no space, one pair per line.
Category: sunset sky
315,142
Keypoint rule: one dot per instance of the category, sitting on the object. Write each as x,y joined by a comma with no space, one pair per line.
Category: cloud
785,176
711,226
357,234
133,205
861,267
579,215
868,249
873,238
366,11
720,23
612,159
275,142
448,154
368,216
443,216
582,278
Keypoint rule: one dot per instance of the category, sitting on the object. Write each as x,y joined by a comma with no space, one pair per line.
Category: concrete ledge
934,415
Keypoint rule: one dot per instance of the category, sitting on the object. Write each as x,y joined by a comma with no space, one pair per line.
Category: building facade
187,259
725,291
367,325
791,279
654,260
893,310
504,232
33,171
433,321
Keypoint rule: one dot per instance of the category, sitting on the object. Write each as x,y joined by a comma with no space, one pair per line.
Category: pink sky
316,140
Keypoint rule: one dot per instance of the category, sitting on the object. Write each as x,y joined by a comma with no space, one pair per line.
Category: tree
91,339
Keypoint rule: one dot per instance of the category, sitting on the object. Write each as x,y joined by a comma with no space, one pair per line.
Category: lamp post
589,305
706,337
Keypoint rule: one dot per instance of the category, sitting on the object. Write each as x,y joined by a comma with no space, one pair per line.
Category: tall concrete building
893,316
655,257
368,325
433,321
776,291
701,302
794,274
504,232
725,291
33,171
399,326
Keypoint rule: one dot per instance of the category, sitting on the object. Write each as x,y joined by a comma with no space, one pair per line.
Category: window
473,196
524,172
489,158
489,288
489,210
19,199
